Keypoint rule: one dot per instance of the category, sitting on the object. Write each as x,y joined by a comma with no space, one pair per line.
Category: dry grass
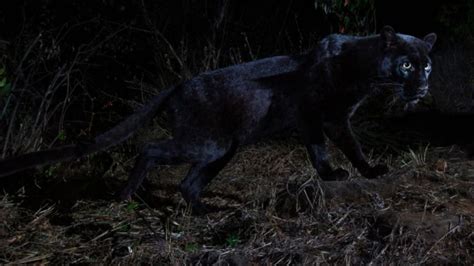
272,209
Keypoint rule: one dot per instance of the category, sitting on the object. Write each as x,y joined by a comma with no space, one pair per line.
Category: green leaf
132,205
191,247
352,8
124,228
5,90
62,135
51,170
347,22
2,71
232,240
3,82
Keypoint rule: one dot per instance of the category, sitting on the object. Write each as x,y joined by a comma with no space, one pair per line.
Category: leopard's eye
406,65
428,67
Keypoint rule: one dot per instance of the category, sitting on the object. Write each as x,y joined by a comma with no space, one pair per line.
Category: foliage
62,135
132,206
5,84
457,18
232,240
354,17
191,247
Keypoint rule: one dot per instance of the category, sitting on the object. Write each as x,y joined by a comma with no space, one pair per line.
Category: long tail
114,136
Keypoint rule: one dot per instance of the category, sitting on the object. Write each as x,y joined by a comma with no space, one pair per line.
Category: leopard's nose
423,90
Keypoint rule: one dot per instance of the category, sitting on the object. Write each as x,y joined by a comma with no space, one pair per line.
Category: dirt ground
269,205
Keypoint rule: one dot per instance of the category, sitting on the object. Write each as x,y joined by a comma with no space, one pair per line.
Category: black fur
314,93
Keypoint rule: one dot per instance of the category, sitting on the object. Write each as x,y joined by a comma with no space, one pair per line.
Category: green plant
353,17
50,171
62,135
132,206
232,240
5,84
124,228
417,158
191,247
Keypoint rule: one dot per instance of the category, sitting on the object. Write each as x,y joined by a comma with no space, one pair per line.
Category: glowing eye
406,66
428,67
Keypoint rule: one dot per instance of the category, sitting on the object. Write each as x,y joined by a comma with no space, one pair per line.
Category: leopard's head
406,63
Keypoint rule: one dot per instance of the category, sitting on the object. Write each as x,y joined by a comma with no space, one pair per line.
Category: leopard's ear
430,40
389,37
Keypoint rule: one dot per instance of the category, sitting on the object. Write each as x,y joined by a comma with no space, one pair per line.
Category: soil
269,207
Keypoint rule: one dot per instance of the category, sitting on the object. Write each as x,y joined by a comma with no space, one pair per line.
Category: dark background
116,53
71,69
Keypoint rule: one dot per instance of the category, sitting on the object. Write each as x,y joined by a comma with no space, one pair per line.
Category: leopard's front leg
340,132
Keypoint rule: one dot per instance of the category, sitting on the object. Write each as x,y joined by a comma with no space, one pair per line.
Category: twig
438,241
30,259
17,73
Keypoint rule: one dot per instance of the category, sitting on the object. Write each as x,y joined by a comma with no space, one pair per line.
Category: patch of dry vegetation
271,208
